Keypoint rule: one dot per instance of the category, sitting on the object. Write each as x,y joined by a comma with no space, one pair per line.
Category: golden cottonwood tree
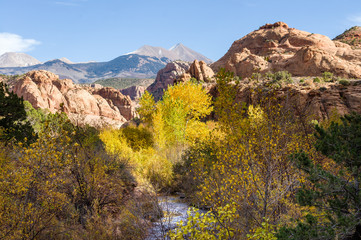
175,122
182,106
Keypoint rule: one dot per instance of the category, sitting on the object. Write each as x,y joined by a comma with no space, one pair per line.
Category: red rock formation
166,76
134,92
276,47
96,106
199,71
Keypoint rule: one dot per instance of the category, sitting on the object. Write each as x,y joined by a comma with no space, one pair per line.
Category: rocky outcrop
198,70
179,71
115,98
351,36
277,47
166,76
134,92
96,105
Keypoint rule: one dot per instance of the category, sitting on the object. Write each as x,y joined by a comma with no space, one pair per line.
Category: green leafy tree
336,193
13,117
35,116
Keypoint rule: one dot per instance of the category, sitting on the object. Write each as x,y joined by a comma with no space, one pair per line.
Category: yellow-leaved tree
174,123
64,185
248,167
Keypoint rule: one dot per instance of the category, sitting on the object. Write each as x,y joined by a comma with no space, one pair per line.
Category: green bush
279,77
282,76
327,76
344,82
316,80
256,76
269,76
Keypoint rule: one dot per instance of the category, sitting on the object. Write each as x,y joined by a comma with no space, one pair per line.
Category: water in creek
174,210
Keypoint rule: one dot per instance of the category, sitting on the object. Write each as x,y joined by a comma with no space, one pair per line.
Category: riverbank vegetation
261,170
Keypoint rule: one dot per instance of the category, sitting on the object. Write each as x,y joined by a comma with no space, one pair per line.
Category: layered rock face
134,92
96,106
315,102
276,47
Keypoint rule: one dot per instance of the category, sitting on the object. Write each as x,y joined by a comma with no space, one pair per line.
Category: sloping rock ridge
277,47
351,36
94,105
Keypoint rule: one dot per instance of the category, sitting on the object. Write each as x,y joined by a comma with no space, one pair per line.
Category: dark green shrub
282,76
327,76
344,82
316,80
278,77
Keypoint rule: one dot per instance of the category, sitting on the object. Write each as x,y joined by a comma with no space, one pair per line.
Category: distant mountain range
133,65
142,63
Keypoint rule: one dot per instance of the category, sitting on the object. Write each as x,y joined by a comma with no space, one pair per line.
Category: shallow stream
174,210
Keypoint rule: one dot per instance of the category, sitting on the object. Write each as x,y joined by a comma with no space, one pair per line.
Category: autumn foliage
257,170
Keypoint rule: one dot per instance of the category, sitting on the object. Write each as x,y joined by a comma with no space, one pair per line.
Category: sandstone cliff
312,100
96,106
277,47
316,102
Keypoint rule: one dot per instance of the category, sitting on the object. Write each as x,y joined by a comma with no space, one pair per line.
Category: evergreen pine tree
13,122
337,192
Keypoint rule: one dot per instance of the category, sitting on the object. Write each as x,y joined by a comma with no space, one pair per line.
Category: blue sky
100,30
